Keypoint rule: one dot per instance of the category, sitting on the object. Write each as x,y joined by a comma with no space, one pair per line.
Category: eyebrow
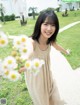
49,22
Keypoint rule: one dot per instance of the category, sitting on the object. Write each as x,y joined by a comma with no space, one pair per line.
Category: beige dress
42,87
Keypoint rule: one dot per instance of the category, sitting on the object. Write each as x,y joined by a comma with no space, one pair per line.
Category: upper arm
54,44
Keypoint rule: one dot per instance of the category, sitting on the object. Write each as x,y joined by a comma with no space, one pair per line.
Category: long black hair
52,18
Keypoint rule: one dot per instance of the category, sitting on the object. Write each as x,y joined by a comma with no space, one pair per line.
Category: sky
42,4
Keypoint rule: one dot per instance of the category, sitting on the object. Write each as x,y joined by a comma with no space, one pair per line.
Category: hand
68,51
22,69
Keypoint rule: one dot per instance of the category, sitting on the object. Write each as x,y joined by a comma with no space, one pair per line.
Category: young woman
42,87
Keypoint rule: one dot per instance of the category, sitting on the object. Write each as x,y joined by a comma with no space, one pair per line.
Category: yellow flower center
13,76
5,67
2,41
18,42
9,61
14,53
18,58
7,72
37,64
27,65
24,50
23,39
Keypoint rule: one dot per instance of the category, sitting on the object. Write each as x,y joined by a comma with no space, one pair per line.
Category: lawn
17,93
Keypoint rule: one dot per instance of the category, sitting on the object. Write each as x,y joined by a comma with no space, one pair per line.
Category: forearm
60,48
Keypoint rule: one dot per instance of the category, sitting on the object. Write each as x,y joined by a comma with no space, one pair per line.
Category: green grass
70,38
16,93
14,27
70,19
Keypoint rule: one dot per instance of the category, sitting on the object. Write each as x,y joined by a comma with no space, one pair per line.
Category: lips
48,33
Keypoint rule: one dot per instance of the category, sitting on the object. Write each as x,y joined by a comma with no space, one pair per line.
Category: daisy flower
24,40
14,76
24,45
28,65
3,39
6,73
24,51
17,42
9,63
37,64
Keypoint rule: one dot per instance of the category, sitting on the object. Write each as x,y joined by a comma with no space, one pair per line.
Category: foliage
33,13
47,9
8,17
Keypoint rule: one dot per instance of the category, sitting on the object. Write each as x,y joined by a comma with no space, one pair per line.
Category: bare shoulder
53,43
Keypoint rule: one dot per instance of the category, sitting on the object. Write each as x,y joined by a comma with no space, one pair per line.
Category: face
47,30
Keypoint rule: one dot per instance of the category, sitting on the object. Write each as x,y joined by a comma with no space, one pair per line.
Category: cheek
54,29
42,29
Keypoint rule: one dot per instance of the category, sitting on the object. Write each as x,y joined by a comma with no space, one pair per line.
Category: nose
49,27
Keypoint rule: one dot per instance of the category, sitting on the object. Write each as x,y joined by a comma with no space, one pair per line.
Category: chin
48,36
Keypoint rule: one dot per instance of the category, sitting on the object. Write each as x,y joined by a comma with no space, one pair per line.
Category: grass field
16,93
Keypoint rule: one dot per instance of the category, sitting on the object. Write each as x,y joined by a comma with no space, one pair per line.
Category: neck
42,40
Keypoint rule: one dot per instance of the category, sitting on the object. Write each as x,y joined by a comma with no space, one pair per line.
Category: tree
33,10
2,13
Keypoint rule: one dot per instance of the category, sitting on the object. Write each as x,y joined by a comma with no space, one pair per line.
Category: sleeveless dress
42,87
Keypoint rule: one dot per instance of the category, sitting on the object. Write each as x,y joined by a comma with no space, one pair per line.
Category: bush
8,17
12,17
29,14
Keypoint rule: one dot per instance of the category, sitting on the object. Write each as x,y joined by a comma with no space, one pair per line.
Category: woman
42,87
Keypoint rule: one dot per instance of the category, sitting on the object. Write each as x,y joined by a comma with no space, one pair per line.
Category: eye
53,24
45,23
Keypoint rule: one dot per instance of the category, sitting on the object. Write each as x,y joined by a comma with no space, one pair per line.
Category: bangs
49,20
